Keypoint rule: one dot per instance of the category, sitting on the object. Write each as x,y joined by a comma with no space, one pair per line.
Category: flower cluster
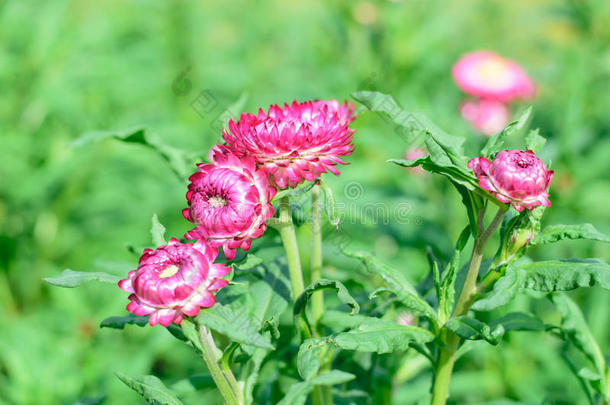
229,202
494,82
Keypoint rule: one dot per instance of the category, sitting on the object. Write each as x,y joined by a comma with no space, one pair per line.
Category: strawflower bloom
487,75
514,177
173,281
228,202
295,143
486,116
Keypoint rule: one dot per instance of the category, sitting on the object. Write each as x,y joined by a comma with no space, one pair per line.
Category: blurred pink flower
514,177
297,142
173,281
486,116
414,153
228,202
405,319
487,75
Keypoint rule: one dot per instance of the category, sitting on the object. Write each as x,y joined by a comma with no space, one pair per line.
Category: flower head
173,281
488,75
297,142
486,116
514,177
228,202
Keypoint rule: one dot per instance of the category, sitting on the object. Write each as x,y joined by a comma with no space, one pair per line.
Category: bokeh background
69,67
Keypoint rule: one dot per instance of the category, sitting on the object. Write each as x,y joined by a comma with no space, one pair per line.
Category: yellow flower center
217,201
169,271
492,70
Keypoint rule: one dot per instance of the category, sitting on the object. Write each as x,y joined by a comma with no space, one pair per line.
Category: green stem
289,239
221,379
446,359
317,300
321,395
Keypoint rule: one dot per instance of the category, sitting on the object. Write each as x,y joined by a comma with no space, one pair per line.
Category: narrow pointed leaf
70,278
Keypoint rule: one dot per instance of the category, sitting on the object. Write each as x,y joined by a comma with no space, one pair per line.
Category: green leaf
504,290
70,278
446,299
236,324
385,103
472,329
565,275
545,276
297,394
310,356
270,295
190,331
322,284
249,261
151,389
178,160
534,141
333,377
329,203
518,321
157,231
339,320
405,292
575,329
119,322
294,192
460,176
496,143
555,233
381,336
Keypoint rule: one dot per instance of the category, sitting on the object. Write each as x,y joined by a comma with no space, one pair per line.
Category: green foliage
297,394
66,70
178,160
495,143
397,283
473,329
556,233
157,231
150,388
70,278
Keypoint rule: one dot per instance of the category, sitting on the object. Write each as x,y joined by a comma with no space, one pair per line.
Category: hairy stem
221,379
446,357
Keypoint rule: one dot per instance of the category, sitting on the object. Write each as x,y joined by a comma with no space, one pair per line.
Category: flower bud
514,177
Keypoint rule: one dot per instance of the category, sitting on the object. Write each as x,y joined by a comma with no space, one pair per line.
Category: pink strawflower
486,116
297,142
514,177
173,281
414,153
486,74
228,202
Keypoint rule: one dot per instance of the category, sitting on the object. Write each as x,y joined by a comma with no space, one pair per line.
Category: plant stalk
321,394
446,359
289,240
317,300
221,379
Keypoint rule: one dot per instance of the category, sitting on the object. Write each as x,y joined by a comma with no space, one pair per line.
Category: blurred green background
68,67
